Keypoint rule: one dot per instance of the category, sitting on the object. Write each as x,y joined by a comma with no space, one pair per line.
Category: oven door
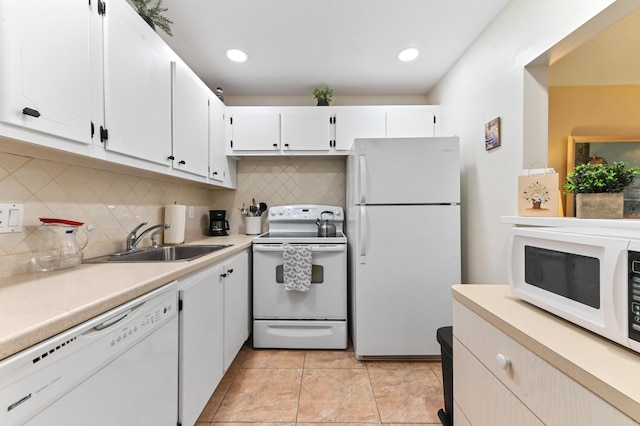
327,298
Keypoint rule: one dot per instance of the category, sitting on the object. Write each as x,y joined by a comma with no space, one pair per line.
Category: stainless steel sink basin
182,253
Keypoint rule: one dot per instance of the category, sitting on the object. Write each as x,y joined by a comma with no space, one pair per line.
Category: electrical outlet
11,218
192,212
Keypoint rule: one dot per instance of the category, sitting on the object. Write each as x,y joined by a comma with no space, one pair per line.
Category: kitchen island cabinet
517,364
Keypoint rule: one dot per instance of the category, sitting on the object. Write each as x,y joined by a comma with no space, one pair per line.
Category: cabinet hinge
104,134
102,8
179,309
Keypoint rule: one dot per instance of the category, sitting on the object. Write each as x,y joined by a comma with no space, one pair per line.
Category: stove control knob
338,213
281,211
272,212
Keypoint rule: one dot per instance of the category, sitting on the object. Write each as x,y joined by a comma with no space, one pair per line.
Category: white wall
488,81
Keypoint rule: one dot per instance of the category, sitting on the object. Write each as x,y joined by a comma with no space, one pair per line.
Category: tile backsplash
114,203
281,181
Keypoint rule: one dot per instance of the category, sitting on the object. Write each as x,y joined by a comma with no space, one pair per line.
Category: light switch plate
11,217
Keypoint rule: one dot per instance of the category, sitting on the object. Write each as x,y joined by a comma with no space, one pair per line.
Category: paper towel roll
175,215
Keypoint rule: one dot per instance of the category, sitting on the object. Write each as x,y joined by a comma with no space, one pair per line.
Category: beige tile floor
299,387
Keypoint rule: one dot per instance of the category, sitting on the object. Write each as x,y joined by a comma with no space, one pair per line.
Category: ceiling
350,45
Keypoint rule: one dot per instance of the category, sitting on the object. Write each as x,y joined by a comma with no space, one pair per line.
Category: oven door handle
314,249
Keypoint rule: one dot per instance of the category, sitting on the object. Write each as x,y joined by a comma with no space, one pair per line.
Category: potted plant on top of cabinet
152,14
323,95
598,188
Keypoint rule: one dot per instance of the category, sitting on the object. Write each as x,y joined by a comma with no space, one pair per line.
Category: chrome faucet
133,239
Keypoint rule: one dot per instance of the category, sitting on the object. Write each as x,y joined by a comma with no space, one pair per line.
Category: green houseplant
598,188
323,95
151,11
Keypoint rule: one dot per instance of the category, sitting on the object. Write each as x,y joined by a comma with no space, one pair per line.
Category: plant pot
600,205
323,103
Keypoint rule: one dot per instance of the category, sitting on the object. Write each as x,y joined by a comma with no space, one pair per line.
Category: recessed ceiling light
237,55
408,54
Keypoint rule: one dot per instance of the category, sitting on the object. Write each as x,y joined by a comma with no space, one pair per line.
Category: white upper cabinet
137,86
45,50
411,121
306,130
254,129
190,121
221,168
358,122
323,130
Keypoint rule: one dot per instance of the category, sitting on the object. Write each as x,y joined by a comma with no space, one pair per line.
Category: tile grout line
304,363
375,399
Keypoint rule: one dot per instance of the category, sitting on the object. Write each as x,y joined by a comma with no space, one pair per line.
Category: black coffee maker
218,226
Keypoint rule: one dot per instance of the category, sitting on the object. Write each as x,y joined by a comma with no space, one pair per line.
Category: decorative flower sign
537,193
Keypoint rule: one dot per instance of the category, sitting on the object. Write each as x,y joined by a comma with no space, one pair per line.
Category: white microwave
589,276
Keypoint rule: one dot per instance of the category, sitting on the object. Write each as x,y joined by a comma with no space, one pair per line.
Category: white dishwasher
119,368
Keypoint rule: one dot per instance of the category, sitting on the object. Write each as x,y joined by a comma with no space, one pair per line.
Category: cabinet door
255,131
219,165
306,130
44,67
482,398
236,306
410,121
201,340
190,121
137,86
363,122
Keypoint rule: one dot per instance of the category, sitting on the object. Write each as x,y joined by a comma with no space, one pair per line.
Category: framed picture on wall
492,134
606,149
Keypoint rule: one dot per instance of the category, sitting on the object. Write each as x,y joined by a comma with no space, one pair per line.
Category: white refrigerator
403,231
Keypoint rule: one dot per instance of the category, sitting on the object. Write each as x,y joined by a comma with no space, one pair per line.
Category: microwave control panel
633,299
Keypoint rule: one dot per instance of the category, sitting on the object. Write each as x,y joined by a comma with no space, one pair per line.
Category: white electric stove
316,319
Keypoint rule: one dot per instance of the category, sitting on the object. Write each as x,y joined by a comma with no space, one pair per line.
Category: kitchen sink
182,253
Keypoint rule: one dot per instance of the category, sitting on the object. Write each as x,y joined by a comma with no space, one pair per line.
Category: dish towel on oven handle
296,267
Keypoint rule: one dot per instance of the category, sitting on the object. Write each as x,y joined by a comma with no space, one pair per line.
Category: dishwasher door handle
112,321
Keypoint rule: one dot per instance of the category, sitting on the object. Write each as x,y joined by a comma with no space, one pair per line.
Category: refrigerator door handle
361,226
363,179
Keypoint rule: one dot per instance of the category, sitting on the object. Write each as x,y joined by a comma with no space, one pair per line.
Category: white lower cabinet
236,305
201,323
497,381
213,304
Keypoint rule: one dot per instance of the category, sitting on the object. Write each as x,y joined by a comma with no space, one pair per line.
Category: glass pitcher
60,249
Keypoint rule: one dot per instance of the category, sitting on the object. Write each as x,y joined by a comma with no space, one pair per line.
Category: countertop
39,305
607,369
